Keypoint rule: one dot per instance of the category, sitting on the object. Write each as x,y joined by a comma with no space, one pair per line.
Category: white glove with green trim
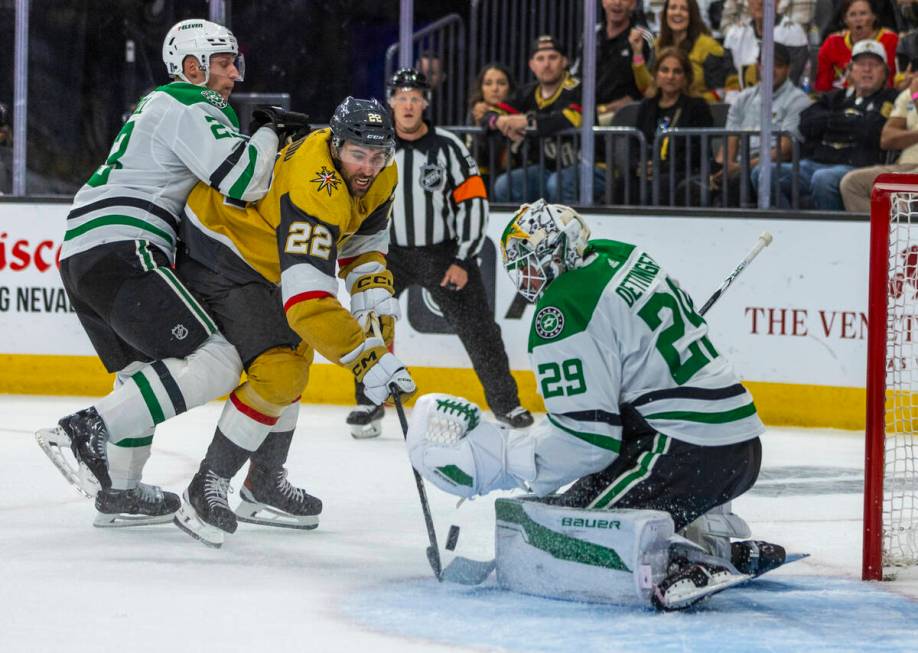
450,446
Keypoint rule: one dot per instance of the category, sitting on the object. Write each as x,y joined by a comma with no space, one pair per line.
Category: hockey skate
269,499
205,513
518,418
86,467
691,582
366,421
140,506
755,557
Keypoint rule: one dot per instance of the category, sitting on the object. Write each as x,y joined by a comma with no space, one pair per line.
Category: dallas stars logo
326,179
549,323
214,98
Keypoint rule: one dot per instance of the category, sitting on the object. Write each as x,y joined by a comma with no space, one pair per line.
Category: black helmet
366,122
408,78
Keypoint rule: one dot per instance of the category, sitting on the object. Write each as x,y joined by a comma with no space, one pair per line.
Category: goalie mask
540,242
200,39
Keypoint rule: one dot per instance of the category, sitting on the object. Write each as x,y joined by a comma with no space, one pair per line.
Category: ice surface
361,580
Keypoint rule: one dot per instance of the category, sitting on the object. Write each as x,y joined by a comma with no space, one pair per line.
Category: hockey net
891,452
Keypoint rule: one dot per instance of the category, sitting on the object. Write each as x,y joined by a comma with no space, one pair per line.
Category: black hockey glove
286,124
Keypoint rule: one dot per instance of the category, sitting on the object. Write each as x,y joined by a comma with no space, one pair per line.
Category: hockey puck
452,538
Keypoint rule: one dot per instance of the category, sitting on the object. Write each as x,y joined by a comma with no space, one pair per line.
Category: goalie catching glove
286,124
378,370
453,448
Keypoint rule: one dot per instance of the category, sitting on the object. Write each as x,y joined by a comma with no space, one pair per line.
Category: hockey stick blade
465,571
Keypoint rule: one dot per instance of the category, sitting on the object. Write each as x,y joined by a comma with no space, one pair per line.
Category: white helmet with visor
200,39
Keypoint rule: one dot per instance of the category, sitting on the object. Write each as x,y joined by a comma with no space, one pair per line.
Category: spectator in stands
682,26
615,83
494,86
672,107
835,53
738,12
842,131
788,102
899,133
431,66
549,105
907,51
742,39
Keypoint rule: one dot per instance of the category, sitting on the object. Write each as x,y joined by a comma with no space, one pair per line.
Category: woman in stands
835,53
672,106
493,87
682,27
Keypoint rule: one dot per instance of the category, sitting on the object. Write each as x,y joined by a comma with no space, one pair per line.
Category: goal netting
891,462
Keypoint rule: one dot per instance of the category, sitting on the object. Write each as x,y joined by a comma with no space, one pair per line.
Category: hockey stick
764,241
433,551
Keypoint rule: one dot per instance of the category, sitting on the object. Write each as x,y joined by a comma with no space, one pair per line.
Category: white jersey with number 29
618,338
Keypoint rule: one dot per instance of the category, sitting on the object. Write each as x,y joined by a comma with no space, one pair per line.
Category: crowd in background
845,82
845,85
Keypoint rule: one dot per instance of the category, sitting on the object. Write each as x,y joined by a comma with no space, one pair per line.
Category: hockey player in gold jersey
267,271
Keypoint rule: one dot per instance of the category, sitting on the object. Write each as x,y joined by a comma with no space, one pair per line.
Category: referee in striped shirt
439,218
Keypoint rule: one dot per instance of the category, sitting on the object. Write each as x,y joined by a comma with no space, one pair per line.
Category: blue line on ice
790,613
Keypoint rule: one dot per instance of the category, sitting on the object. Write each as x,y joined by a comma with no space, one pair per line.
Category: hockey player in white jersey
643,412
116,267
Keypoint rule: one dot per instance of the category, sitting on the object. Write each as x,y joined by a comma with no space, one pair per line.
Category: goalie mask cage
891,450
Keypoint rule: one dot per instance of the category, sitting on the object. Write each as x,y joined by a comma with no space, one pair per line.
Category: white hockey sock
247,426
127,459
163,389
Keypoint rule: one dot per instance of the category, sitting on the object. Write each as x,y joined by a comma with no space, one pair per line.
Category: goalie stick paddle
764,241
433,551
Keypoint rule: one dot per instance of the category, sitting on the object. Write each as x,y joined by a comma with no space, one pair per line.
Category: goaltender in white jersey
117,258
643,412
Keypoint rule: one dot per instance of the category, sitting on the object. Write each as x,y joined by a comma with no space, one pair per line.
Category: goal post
891,445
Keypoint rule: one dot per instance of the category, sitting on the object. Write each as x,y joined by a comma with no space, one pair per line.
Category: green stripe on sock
707,418
125,220
602,441
237,189
133,443
202,315
156,411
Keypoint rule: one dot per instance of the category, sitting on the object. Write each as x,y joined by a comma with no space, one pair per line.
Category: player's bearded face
360,165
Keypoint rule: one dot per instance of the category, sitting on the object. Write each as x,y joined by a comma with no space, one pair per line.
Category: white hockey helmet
200,39
540,242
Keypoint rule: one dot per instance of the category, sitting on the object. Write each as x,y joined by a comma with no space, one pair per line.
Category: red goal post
891,448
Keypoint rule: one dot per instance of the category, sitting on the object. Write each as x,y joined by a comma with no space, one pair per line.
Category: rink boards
793,324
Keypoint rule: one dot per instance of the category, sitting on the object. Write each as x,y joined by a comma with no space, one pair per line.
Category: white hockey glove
389,370
454,449
372,289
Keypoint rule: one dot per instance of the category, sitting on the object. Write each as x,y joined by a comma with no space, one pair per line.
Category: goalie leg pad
610,556
714,529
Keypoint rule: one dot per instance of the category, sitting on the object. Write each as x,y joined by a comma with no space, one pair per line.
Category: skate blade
682,599
366,431
258,513
56,445
187,520
124,520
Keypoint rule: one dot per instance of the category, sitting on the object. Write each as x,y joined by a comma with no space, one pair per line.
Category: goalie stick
764,241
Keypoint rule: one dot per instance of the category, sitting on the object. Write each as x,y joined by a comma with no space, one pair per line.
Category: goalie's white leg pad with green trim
610,556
